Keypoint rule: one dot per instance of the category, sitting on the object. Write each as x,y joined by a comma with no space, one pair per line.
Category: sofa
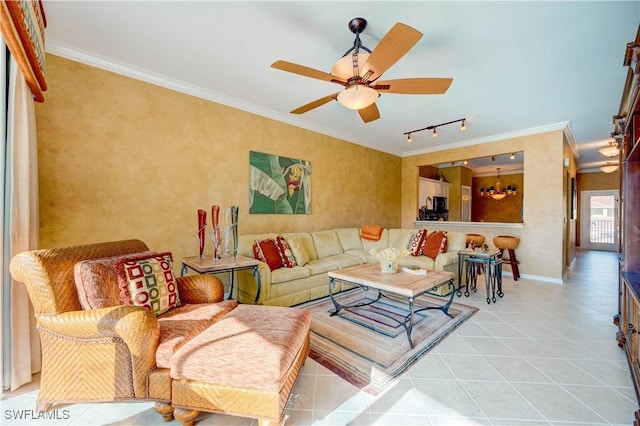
318,252
189,352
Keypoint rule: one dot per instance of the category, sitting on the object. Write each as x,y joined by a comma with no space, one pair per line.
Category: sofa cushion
456,241
251,347
150,281
344,260
283,275
436,243
326,243
97,282
320,266
183,323
382,243
299,251
267,251
306,242
349,238
445,259
400,238
416,245
422,262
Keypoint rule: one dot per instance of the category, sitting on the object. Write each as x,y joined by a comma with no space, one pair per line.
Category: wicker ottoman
244,365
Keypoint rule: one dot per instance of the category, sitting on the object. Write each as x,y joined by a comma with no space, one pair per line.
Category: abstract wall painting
278,185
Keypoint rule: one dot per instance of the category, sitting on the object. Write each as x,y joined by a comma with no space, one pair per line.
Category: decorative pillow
151,282
97,281
267,251
416,244
288,260
435,244
299,251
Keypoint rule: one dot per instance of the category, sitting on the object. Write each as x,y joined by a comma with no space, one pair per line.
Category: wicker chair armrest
135,325
200,289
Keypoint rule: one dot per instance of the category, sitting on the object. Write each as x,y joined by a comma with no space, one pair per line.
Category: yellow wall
541,250
120,158
486,209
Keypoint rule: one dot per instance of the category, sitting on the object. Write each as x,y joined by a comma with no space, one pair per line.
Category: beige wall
120,158
541,251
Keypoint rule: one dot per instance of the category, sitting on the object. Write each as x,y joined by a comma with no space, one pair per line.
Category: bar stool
509,243
477,239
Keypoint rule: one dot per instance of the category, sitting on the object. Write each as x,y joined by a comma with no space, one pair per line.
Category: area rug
365,347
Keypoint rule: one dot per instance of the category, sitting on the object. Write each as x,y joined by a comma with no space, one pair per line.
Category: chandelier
496,192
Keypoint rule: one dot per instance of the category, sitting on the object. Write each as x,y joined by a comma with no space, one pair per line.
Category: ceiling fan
358,72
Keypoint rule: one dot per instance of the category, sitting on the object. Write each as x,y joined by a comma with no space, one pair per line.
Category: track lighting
512,156
434,127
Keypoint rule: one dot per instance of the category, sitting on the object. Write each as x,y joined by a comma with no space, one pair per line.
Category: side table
487,259
229,264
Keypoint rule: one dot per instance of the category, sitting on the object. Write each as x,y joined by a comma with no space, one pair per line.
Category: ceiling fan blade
314,104
307,72
414,86
369,113
393,46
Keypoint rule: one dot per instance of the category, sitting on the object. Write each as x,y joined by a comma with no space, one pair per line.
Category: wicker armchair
103,354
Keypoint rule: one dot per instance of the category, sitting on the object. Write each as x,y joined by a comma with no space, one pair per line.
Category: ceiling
518,67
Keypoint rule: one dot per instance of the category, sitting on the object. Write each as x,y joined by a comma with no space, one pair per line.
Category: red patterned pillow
416,244
288,260
97,281
150,281
436,243
267,251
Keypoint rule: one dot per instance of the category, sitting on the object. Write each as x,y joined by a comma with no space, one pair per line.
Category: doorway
466,203
599,220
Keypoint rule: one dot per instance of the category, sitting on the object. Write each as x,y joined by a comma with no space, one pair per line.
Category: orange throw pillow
436,243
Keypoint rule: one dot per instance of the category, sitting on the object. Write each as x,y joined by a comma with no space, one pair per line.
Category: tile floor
545,354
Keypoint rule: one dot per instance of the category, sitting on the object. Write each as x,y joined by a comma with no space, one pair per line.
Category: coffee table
404,283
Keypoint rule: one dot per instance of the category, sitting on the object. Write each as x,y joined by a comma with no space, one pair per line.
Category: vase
389,258
215,234
234,229
202,225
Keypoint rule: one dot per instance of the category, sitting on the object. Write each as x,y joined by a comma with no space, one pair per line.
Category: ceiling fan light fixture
357,97
344,67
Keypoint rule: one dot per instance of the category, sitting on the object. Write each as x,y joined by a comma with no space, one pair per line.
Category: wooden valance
22,25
